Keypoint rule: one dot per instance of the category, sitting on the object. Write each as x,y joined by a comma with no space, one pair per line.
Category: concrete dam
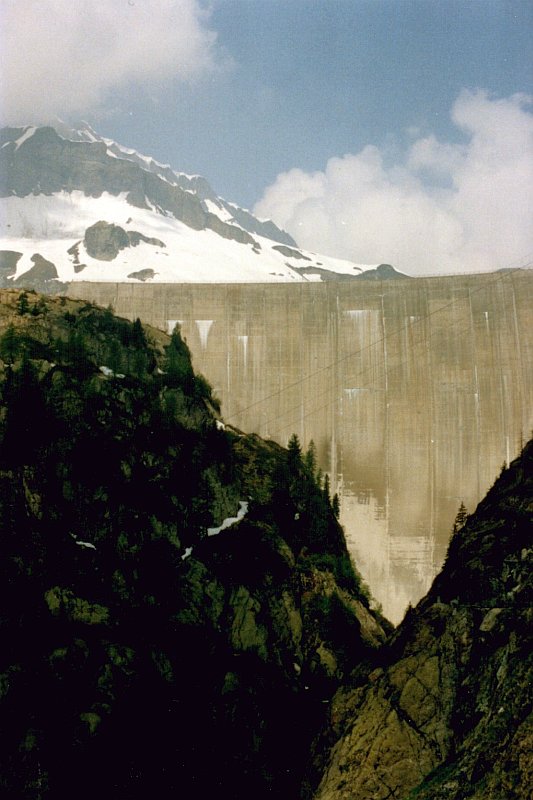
414,391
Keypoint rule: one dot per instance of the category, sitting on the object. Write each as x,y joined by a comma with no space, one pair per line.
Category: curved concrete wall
414,392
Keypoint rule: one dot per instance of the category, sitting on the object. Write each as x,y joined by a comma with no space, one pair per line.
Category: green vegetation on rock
142,657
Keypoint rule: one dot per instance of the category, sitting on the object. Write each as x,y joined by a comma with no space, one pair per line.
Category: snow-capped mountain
79,207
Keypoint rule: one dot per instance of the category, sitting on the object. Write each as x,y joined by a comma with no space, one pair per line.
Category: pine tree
76,350
178,363
9,344
39,308
140,363
310,459
460,519
294,453
22,304
115,356
138,338
326,488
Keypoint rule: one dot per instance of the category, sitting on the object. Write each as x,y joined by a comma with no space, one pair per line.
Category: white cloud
442,208
64,56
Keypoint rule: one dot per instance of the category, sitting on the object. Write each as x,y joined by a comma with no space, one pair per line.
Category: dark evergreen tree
139,363
76,350
23,305
138,338
10,344
310,459
39,308
295,452
115,356
460,518
178,363
326,488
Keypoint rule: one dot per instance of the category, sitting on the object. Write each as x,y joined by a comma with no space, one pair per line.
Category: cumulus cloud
64,56
442,207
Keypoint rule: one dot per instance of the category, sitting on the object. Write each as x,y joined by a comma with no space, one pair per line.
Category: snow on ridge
147,163
28,133
88,134
148,160
221,213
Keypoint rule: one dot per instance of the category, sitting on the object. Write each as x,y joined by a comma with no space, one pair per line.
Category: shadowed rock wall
414,392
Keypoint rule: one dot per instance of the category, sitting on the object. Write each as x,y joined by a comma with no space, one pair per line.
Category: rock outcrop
104,241
445,712
42,276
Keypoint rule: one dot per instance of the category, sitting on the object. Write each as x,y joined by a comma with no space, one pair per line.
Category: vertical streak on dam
414,392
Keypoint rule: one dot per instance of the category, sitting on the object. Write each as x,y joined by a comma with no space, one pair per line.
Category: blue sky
276,102
313,79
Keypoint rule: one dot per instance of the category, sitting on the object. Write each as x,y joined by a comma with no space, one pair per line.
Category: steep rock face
104,241
447,713
140,635
45,162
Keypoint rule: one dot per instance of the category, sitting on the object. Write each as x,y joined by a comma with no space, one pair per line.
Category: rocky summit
97,211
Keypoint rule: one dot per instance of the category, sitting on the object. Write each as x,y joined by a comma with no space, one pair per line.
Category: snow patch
229,521
353,392
28,133
219,212
108,372
87,545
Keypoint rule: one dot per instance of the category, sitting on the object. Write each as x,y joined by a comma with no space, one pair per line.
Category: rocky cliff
177,600
445,711
50,163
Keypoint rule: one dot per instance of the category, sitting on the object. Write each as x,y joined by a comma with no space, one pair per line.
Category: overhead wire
501,276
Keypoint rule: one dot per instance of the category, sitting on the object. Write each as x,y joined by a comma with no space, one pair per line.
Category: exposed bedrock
414,393
47,163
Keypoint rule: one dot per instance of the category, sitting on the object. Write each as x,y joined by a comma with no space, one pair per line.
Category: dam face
414,392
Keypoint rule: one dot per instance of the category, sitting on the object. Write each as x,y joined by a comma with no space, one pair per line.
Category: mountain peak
56,182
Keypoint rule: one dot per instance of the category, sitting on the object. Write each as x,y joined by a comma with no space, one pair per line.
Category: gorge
414,391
